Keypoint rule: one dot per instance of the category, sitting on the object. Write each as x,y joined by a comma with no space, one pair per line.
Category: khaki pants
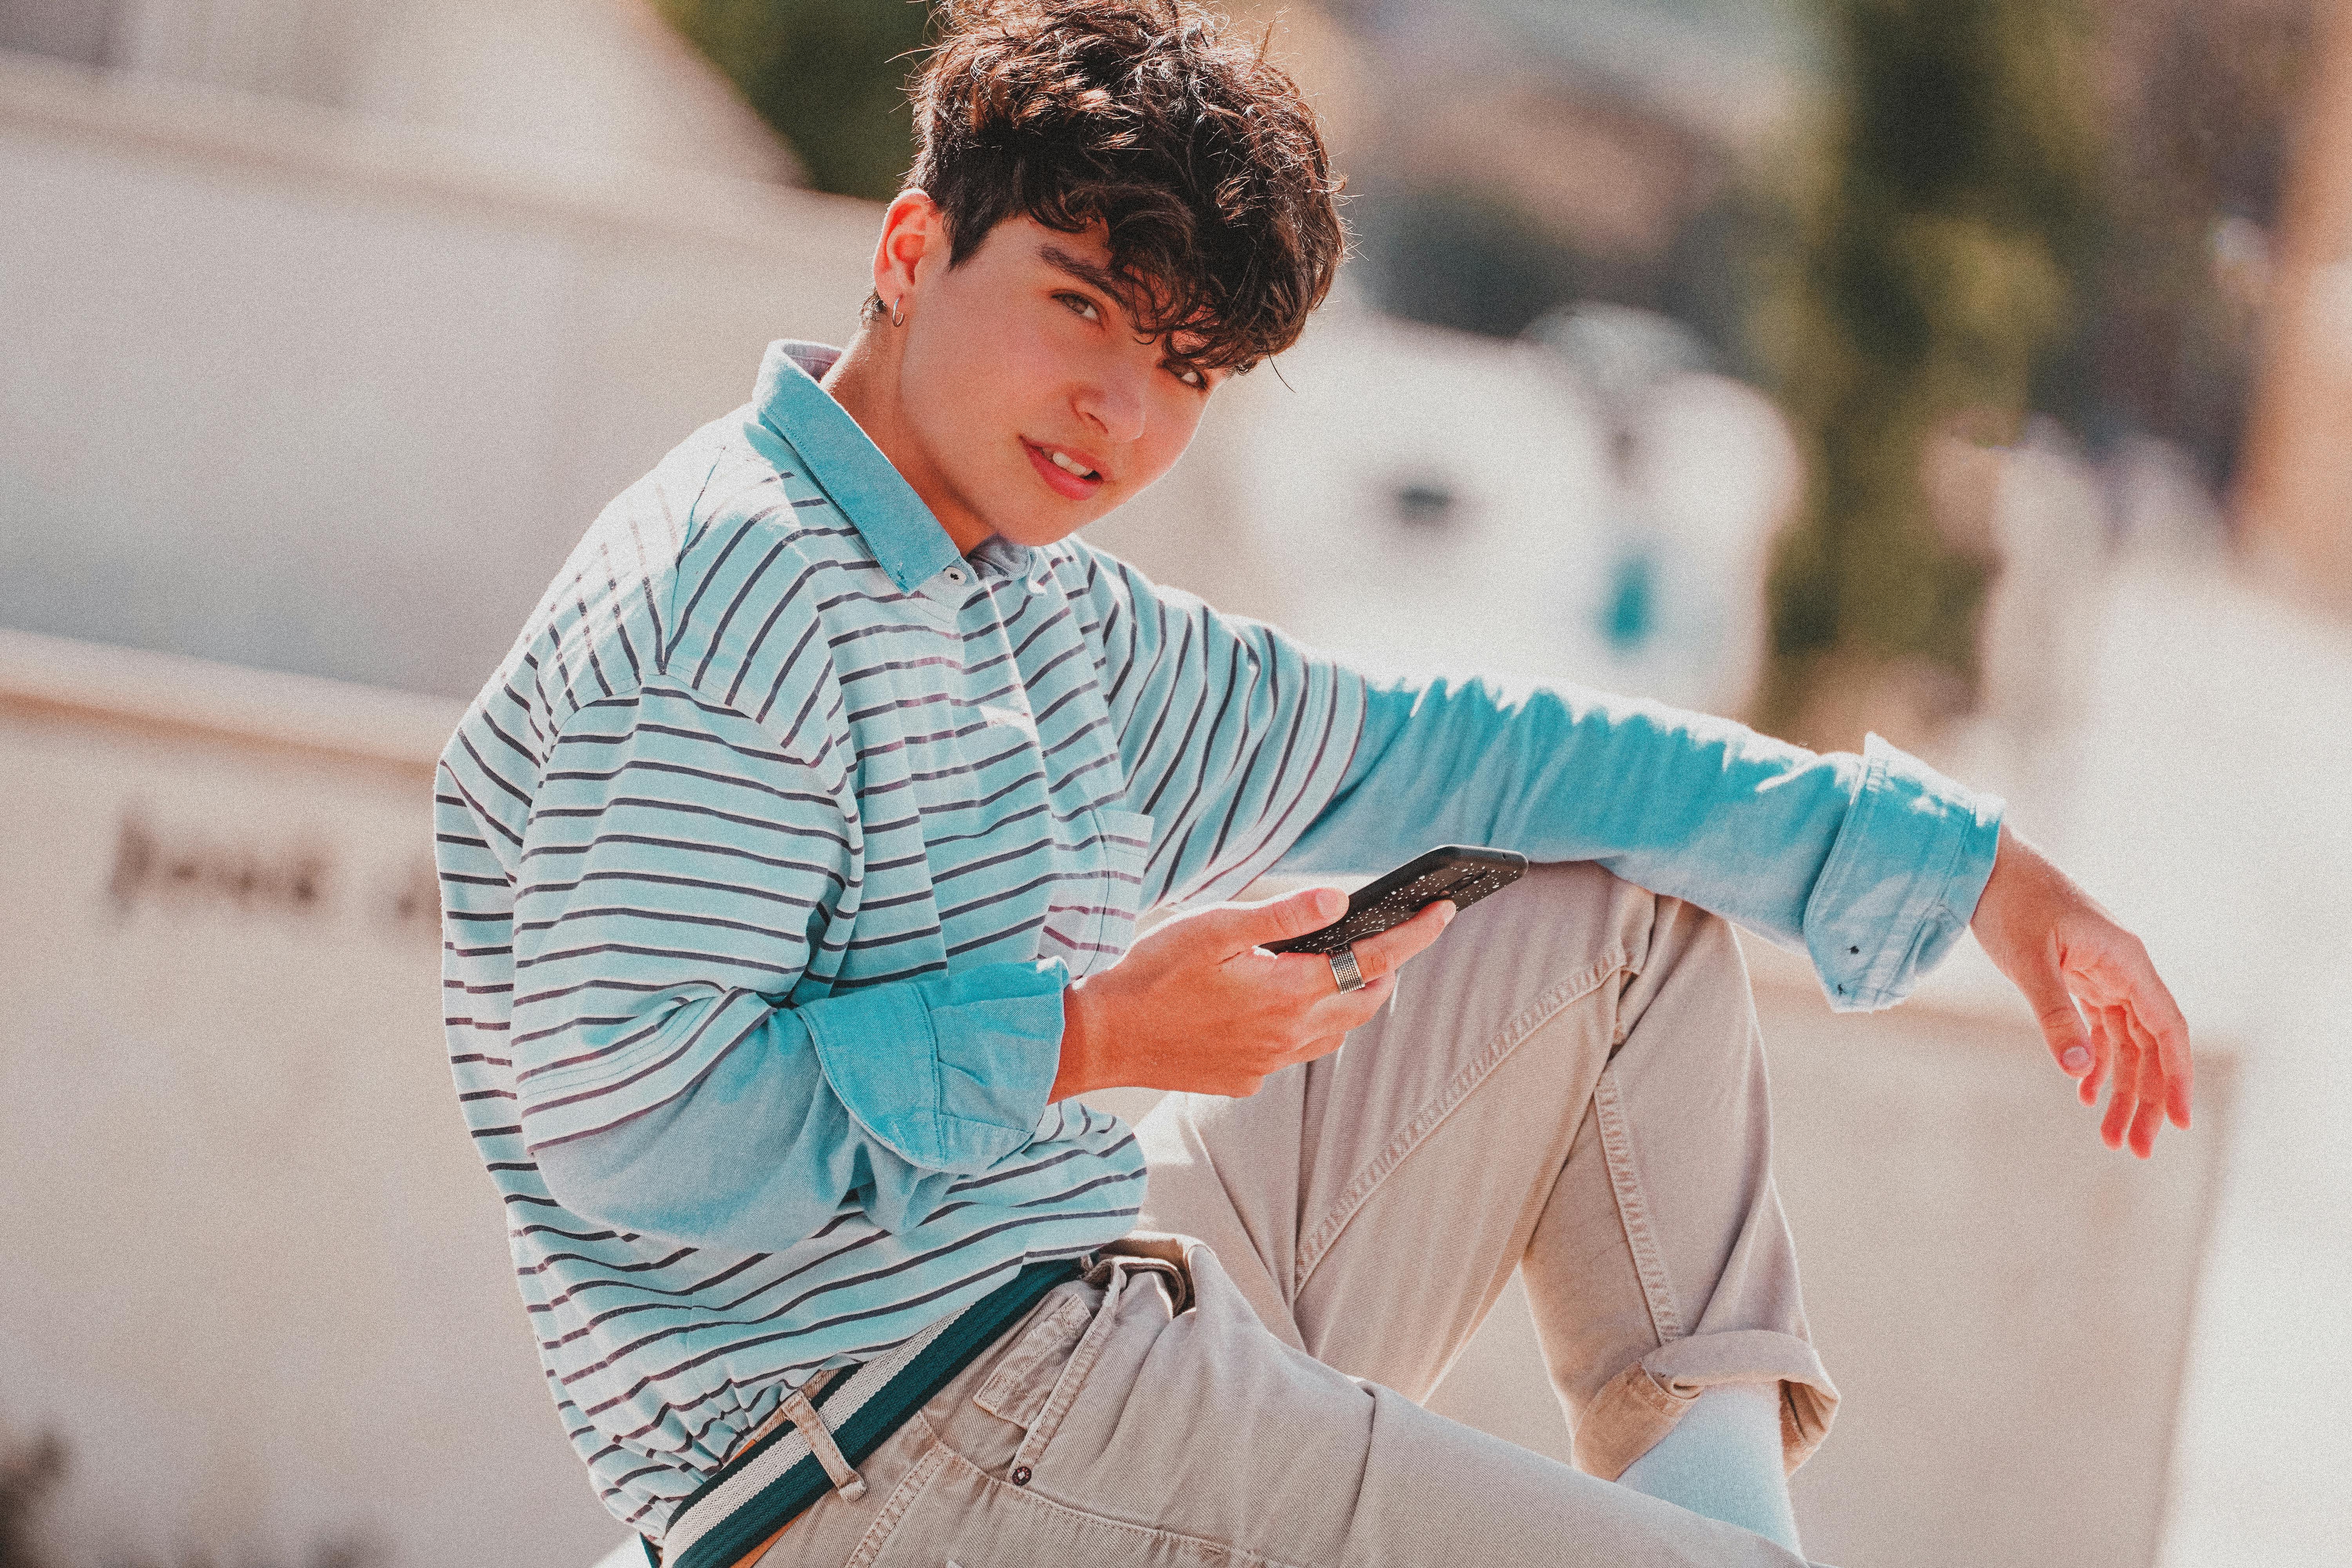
1570,1083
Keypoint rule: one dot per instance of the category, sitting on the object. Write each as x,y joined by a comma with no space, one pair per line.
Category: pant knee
1587,916
1579,912
1691,950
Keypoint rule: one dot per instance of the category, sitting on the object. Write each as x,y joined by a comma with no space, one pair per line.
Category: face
1028,407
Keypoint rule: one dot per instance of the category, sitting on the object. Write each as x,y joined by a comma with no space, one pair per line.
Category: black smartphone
1456,871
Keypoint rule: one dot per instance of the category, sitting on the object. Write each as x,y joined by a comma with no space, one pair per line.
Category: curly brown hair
1194,151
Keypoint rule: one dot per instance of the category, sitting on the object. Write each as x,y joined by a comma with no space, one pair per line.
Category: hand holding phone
1462,873
1200,1004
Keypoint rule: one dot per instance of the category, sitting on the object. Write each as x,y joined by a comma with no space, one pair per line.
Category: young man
791,863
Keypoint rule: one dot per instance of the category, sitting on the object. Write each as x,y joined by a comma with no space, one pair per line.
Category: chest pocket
1122,843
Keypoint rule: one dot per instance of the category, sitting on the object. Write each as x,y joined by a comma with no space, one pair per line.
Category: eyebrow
1084,271
1109,283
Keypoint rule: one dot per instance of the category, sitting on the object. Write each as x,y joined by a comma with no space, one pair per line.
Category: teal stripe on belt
783,1499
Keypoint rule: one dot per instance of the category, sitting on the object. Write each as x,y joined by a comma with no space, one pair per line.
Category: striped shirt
773,771
769,849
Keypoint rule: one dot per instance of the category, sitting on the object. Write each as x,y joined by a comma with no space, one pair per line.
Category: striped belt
804,1456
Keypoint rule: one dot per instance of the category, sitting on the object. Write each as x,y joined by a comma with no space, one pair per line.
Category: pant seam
1441,1105
1633,1208
1082,1356
902,1498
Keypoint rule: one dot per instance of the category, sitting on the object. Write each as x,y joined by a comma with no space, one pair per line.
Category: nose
1113,403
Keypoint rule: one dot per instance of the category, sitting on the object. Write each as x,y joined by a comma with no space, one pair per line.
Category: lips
1059,480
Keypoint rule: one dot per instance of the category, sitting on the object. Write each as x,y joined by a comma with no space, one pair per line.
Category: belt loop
1111,1272
846,1483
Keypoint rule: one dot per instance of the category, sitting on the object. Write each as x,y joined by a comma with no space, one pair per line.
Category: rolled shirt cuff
1902,880
1641,1404
950,1073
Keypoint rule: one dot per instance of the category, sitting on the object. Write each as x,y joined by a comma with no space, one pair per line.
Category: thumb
1278,919
2053,1008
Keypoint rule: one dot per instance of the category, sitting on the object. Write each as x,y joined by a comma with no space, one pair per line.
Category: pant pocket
1119,1276
1017,1390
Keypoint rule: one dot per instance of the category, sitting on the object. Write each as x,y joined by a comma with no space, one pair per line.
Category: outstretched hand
1199,1005
2062,950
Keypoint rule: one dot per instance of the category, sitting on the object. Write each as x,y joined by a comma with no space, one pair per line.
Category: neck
865,381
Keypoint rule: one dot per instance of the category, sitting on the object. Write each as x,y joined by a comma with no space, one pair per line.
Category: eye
1081,306
1191,375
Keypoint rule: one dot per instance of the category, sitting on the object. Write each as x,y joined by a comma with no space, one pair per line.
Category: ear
913,228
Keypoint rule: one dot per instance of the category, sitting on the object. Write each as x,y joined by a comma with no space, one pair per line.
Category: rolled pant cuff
1641,1404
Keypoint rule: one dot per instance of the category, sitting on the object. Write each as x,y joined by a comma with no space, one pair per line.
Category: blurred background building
1979,372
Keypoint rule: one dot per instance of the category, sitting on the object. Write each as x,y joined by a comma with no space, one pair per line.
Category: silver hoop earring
899,311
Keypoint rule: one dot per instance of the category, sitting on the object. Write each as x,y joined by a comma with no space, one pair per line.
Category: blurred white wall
2204,794
583,81
2180,739
256,1278
285,389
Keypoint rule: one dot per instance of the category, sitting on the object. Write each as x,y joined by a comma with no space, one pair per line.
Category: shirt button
955,574
1020,1475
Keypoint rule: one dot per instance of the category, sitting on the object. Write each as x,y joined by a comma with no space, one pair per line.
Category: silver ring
1344,969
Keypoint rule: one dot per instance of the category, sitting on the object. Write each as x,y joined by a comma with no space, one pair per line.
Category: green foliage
831,75
1945,252
1460,259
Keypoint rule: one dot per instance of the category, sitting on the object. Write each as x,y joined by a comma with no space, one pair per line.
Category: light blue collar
906,539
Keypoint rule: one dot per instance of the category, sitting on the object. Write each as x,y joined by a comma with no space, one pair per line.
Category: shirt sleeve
677,870
1231,736
763,1148
1871,864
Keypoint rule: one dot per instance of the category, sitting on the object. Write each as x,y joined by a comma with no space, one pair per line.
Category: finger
1357,1009
1241,927
2171,1049
2156,1020
1321,1045
2146,1120
1377,957
2122,1099
1338,1012
1309,980
2117,1121
1385,953
2106,1028
2150,1115
2053,1008
2104,1035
